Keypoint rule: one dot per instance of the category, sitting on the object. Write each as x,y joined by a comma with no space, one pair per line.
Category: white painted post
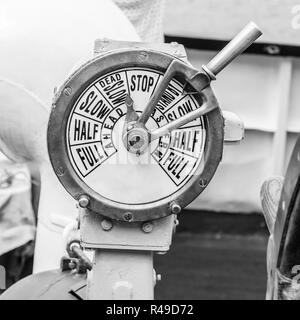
121,275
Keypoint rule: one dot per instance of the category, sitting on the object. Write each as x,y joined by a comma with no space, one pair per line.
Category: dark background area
215,256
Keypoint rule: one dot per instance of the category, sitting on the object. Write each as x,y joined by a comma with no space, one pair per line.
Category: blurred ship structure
261,86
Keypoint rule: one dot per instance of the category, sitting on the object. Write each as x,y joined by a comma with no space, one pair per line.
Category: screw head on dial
83,201
175,208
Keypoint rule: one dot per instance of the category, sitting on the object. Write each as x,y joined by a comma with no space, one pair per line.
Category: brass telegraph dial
138,132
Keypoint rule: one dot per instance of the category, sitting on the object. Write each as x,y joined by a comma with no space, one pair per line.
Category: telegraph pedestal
135,135
123,255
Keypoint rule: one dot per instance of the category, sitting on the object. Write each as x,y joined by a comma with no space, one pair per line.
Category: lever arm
176,124
234,48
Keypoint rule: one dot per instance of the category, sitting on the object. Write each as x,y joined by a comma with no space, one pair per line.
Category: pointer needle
131,115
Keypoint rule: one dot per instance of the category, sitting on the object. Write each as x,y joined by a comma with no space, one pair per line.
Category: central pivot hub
136,140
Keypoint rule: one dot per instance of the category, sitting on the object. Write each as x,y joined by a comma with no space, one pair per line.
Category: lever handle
176,124
234,48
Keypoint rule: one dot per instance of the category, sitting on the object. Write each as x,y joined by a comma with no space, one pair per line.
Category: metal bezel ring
62,105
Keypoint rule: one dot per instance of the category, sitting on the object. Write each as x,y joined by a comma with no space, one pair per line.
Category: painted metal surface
148,236
121,275
48,285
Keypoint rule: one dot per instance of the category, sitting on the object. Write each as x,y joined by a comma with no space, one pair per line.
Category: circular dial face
96,149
